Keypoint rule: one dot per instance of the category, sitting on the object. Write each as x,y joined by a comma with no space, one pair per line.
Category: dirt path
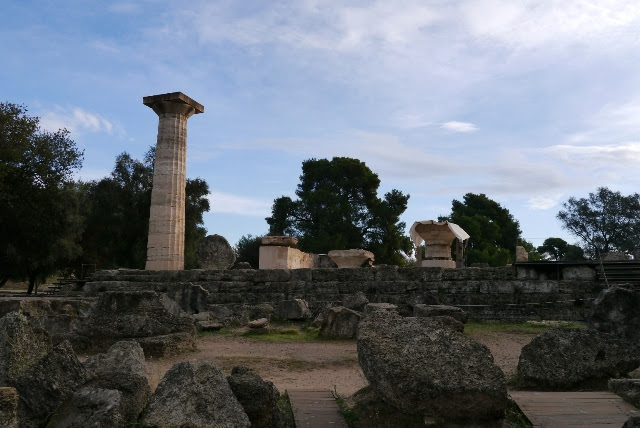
288,365
313,365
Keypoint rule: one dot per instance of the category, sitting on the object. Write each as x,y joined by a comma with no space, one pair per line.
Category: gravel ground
313,365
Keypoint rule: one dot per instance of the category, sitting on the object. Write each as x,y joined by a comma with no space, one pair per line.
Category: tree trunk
32,284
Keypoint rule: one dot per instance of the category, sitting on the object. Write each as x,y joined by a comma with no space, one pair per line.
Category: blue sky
526,101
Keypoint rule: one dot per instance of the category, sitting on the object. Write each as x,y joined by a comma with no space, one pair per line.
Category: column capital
174,102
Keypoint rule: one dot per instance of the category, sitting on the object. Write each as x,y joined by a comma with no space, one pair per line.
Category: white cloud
463,127
544,202
240,205
597,156
77,120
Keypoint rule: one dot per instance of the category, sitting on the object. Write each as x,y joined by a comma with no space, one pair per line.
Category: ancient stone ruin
437,238
165,246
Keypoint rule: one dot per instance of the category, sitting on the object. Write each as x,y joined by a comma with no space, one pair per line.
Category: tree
554,248
338,208
117,215
248,250
605,221
494,233
39,221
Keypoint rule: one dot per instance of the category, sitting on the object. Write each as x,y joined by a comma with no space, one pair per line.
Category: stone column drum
165,247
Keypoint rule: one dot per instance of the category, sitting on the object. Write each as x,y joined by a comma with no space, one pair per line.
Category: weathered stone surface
194,394
567,358
165,245
419,365
155,321
281,241
426,311
242,266
259,323
632,422
209,325
192,299
257,396
8,407
91,407
617,311
296,309
47,384
356,301
340,322
122,368
214,252
21,345
629,389
521,254
376,307
354,258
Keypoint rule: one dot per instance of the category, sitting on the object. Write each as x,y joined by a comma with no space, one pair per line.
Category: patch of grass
532,327
515,418
349,415
283,335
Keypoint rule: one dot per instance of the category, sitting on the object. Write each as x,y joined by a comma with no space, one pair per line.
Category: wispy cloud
463,127
77,120
616,121
544,202
596,156
234,204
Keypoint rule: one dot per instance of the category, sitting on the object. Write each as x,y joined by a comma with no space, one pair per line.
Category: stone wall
507,293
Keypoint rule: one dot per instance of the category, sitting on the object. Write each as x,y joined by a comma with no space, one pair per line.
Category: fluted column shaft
165,246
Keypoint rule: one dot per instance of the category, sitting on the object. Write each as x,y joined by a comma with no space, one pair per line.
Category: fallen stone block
194,394
421,366
122,368
91,407
340,323
22,345
8,407
568,358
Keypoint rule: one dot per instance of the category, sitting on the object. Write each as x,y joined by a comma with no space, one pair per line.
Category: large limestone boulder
214,252
194,394
568,358
91,407
258,397
155,321
47,384
294,310
617,311
430,311
121,368
421,366
340,323
22,345
370,308
356,301
629,389
8,407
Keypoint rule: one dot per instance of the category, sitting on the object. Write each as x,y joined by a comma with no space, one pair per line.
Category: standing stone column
165,247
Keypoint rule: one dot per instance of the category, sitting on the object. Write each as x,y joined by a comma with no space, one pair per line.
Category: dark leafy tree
117,215
605,221
338,208
39,219
494,233
248,250
560,250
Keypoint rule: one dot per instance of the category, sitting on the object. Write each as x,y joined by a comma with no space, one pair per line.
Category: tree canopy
248,250
39,222
117,215
338,208
605,221
558,249
494,233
